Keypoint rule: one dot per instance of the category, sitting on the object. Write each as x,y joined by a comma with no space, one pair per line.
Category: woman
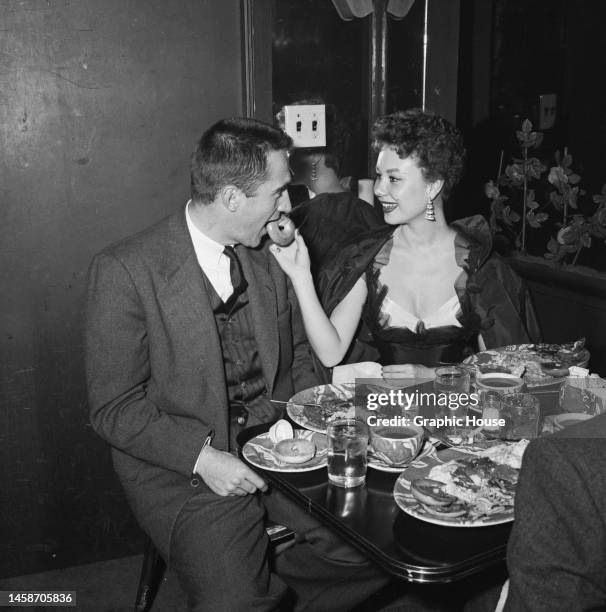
425,292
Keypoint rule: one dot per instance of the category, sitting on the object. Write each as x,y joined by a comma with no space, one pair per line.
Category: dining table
369,518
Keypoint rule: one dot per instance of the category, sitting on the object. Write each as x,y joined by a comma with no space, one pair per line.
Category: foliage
528,195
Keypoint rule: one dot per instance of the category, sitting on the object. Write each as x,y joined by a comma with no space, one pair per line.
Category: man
557,550
191,329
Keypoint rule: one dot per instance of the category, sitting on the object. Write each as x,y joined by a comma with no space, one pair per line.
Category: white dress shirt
212,259
215,264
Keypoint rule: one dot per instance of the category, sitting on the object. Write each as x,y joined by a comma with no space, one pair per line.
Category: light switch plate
306,124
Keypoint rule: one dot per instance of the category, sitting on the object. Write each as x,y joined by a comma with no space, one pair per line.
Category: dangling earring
314,170
430,211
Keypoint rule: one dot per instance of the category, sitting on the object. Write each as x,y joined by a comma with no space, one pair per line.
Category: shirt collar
207,249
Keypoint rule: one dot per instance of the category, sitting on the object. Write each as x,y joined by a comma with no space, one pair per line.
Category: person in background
191,330
333,216
556,554
424,291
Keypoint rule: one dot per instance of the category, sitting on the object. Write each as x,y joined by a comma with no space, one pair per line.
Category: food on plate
297,450
281,430
431,492
314,408
507,454
540,364
453,510
337,409
472,487
555,369
281,231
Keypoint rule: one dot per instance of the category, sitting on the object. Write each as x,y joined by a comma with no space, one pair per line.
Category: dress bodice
445,336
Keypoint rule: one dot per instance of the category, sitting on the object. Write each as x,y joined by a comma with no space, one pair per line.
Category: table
369,519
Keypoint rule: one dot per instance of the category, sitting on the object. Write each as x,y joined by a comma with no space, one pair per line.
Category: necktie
238,281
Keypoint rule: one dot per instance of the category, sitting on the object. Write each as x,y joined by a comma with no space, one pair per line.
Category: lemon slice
281,430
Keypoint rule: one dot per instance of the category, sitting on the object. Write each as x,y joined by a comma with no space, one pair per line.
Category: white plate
259,451
311,408
522,360
428,450
408,504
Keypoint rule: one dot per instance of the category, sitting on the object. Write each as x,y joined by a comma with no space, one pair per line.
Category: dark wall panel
100,105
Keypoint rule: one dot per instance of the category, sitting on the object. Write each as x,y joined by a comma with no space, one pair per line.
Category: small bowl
500,382
396,446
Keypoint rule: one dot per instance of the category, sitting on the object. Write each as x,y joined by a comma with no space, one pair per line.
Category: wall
100,105
569,306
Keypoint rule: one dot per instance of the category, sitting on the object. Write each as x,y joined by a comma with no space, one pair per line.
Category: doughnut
295,451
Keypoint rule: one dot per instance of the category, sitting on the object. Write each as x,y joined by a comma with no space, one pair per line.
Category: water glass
451,379
347,452
521,412
457,431
449,383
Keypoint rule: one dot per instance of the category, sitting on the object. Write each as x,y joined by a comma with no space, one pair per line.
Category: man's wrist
206,449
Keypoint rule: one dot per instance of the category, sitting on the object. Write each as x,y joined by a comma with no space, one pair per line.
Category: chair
154,566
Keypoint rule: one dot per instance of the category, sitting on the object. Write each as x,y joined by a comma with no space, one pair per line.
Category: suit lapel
262,299
187,302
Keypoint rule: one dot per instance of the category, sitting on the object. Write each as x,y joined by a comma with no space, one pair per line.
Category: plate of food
539,364
305,452
313,408
427,450
463,489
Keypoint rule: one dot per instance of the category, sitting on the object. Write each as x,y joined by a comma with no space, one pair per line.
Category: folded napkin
348,373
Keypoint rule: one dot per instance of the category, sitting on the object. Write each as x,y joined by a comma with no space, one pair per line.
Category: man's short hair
233,152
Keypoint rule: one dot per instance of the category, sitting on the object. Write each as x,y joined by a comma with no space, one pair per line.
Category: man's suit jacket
154,363
557,550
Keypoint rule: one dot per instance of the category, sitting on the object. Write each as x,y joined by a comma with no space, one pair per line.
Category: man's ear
231,197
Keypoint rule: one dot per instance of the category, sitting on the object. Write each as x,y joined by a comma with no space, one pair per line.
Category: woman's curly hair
432,140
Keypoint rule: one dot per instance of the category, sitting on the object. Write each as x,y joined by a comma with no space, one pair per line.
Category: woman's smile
389,206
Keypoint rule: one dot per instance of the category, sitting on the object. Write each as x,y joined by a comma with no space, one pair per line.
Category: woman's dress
488,300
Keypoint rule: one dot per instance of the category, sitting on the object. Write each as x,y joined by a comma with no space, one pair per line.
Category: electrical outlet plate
306,124
548,104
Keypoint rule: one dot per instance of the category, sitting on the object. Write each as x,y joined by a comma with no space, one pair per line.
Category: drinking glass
521,412
449,383
451,379
347,452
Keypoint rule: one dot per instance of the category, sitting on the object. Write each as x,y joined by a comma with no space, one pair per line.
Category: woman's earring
314,170
430,211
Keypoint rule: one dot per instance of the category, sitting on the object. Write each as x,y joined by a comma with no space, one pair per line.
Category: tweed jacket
556,554
154,362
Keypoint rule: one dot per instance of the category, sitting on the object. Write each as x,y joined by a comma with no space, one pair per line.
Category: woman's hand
293,259
408,370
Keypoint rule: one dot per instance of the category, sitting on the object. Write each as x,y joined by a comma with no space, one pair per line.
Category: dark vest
246,389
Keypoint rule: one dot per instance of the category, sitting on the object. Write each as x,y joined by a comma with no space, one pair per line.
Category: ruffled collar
473,242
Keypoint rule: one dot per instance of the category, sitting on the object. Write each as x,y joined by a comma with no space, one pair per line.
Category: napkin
348,373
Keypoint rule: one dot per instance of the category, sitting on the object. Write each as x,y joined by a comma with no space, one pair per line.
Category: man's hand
227,475
293,259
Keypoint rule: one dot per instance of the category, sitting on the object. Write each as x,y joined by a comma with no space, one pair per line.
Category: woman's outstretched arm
329,337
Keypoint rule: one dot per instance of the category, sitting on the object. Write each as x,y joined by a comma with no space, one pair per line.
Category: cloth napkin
348,373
